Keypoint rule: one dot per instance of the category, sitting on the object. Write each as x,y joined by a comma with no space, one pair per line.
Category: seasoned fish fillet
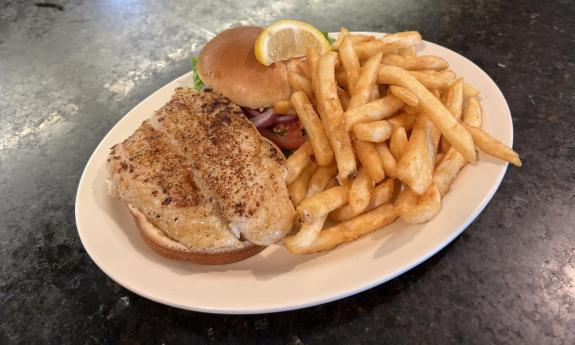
201,172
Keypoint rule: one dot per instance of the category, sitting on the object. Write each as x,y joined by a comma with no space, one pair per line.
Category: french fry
469,91
298,188
300,83
313,127
424,62
439,158
398,142
447,170
404,95
337,43
387,159
312,58
428,206
446,74
375,131
406,201
284,107
430,81
298,161
472,113
392,59
454,98
405,120
365,82
372,111
347,231
415,167
320,204
368,49
453,131
360,191
375,94
404,39
341,78
408,52
332,118
369,157
383,193
350,63
307,233
493,147
343,97
320,179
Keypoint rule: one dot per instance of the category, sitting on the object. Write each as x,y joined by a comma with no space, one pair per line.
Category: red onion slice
265,119
286,118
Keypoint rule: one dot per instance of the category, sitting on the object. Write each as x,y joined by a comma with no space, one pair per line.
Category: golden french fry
341,78
392,59
360,191
375,94
411,110
313,127
372,111
350,63
446,171
300,83
365,82
337,43
439,158
298,161
493,147
446,74
312,58
453,131
405,120
469,91
383,193
472,113
332,118
428,206
454,98
283,107
406,201
369,157
343,98
444,146
298,188
320,179
307,233
404,95
415,167
390,43
387,159
424,62
408,52
347,231
375,131
430,81
398,142
320,204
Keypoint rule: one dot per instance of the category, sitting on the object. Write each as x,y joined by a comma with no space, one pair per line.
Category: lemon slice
288,39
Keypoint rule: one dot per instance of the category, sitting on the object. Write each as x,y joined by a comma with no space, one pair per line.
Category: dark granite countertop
68,74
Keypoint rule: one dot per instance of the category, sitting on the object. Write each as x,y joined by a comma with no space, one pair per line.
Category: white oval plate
276,280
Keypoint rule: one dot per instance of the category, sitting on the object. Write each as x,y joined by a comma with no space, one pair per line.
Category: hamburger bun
171,249
228,65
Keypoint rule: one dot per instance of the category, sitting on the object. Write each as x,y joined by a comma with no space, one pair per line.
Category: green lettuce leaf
198,83
326,35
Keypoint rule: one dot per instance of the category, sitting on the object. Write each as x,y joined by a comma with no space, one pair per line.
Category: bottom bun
169,248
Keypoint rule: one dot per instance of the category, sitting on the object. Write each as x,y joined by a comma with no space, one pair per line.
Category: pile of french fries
388,133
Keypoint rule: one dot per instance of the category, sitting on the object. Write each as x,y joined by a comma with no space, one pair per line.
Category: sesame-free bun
171,249
228,65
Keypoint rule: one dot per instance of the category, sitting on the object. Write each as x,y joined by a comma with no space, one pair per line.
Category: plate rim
312,302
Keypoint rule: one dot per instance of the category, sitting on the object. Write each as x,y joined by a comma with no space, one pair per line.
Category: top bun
228,65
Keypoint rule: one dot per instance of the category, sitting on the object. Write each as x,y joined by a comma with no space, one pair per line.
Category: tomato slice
286,135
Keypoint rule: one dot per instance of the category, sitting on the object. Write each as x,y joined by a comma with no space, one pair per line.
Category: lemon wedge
288,39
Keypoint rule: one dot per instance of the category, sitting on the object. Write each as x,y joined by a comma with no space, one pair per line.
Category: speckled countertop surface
67,75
